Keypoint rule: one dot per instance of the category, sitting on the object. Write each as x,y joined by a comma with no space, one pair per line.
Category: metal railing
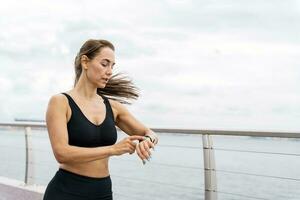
210,179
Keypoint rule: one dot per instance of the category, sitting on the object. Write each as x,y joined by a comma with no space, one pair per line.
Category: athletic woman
81,126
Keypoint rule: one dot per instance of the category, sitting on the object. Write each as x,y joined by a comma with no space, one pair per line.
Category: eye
104,64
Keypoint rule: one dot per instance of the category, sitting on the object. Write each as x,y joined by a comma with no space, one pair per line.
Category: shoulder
115,104
57,108
118,108
58,100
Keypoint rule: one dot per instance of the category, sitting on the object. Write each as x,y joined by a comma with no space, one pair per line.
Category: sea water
175,171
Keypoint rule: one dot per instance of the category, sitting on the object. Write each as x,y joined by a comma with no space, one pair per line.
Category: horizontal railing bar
180,146
258,175
230,133
28,120
232,150
252,133
157,182
23,125
162,164
186,131
260,152
242,195
247,196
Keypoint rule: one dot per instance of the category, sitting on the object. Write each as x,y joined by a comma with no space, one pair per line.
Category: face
99,69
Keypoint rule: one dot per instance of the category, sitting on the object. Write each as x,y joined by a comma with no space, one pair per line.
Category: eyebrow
108,60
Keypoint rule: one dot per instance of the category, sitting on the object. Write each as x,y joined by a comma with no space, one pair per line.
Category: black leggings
66,185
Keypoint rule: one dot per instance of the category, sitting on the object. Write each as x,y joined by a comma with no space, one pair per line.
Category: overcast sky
230,64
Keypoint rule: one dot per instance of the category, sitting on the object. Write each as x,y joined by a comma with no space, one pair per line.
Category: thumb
136,137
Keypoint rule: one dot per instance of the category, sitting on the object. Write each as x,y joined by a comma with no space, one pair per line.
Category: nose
109,70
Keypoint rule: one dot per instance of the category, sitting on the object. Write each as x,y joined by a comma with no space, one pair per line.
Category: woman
81,127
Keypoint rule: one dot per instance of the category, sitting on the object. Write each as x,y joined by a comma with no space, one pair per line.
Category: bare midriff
96,168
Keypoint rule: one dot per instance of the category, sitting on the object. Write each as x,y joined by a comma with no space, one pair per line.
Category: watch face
147,136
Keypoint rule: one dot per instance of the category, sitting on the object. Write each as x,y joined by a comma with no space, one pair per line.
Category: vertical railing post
210,178
29,167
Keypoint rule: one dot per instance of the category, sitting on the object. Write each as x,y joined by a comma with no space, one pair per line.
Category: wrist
152,136
149,138
111,150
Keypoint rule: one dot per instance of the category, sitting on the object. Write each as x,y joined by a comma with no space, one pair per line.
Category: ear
84,60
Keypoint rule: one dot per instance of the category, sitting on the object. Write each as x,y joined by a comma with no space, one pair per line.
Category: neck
85,89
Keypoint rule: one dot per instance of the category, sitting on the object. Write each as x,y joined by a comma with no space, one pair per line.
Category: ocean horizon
176,169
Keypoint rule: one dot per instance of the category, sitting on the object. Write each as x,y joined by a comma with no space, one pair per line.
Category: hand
143,149
152,135
126,145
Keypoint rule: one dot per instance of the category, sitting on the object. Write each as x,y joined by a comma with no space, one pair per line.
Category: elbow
61,156
60,159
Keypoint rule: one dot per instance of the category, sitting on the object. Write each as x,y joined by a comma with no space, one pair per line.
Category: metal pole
29,168
210,178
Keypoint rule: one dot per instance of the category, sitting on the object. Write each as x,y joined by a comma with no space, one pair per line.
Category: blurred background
199,64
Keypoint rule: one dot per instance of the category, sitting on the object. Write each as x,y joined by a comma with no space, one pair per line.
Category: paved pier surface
8,192
15,190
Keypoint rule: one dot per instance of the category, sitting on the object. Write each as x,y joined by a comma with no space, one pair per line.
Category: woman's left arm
131,126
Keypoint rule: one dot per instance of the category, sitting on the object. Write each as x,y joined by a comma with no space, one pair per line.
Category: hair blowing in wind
119,87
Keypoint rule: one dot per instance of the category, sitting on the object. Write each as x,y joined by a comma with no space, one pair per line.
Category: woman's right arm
56,120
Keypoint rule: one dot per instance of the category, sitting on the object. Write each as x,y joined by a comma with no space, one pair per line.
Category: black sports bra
82,132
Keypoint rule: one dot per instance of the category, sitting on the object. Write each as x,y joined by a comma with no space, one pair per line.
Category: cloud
199,64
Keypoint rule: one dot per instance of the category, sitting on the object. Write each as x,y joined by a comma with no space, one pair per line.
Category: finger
133,146
151,145
131,150
138,151
136,137
144,157
127,141
133,143
147,145
143,150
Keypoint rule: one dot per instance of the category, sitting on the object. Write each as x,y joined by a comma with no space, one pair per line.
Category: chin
101,85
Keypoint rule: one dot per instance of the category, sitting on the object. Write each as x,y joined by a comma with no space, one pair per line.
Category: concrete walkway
16,190
8,192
